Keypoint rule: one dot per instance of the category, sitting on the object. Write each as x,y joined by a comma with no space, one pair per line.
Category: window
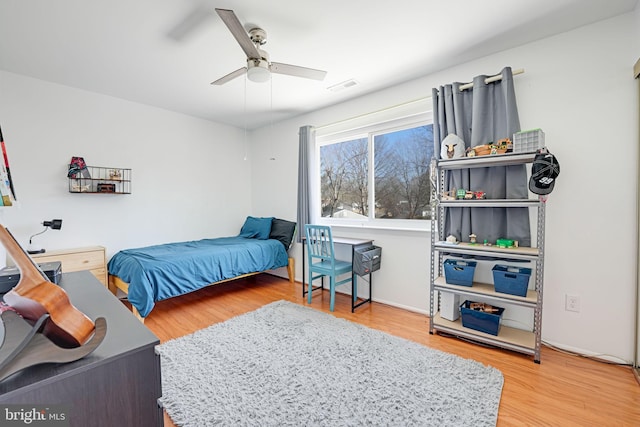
401,174
377,175
344,179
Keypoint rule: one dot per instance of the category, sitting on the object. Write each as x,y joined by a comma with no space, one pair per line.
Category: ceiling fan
259,67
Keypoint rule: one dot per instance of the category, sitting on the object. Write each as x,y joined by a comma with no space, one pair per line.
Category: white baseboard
347,291
404,307
587,353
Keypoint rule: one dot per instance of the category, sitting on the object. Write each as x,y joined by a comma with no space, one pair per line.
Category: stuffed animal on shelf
452,147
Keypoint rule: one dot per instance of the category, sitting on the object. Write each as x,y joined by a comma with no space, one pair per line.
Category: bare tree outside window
400,188
343,179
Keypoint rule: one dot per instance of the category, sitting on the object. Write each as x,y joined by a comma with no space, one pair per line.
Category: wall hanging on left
7,190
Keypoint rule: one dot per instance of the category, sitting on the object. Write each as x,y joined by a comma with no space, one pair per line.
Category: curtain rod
462,87
492,79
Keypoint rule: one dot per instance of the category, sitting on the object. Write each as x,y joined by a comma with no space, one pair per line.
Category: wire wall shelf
100,180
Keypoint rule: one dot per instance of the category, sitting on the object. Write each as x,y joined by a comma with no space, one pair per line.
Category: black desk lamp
55,224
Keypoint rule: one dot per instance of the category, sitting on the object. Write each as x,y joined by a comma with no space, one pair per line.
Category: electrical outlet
572,303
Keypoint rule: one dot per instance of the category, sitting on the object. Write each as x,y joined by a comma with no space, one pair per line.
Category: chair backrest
319,244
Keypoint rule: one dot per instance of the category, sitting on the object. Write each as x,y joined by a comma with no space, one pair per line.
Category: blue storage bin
489,323
458,272
511,280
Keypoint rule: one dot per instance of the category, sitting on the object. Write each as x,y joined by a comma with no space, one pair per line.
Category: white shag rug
290,365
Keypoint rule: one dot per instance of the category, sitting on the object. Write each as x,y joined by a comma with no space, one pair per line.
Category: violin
35,295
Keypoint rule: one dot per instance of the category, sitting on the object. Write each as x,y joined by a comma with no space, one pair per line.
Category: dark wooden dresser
117,385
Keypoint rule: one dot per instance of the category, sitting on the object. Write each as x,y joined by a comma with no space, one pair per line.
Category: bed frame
116,283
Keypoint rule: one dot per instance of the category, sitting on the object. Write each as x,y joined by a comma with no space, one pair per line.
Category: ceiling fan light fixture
258,73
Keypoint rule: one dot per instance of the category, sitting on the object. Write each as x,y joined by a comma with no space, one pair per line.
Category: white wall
578,88
189,177
636,39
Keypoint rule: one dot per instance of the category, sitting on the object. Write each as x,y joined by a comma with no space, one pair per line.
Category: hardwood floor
563,390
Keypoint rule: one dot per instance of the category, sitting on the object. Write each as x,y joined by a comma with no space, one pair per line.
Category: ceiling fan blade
295,70
233,23
230,76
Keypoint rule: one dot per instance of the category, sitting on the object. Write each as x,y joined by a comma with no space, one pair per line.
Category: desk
354,243
116,385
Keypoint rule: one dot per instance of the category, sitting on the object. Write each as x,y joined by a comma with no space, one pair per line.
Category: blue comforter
163,271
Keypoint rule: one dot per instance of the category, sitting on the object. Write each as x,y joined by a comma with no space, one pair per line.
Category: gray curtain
486,113
304,211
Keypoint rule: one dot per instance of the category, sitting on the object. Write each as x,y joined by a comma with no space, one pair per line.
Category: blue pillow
256,228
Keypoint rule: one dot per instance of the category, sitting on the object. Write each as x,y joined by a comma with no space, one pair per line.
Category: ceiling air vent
343,85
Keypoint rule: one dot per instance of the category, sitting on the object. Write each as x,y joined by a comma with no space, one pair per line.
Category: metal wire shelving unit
516,339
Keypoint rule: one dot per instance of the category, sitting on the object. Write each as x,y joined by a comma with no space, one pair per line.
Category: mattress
155,273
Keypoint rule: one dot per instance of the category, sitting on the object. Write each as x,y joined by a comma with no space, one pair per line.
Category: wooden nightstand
91,258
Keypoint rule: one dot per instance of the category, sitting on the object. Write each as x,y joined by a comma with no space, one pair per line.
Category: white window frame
366,129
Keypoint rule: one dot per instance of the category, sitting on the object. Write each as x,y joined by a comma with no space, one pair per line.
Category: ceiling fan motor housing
258,36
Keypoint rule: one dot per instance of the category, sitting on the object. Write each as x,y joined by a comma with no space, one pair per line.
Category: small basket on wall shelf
100,180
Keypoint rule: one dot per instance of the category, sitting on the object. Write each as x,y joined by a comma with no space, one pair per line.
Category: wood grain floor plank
564,390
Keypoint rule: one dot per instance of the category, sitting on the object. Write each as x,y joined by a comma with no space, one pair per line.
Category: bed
155,273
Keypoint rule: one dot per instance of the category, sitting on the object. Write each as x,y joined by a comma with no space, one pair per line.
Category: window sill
365,226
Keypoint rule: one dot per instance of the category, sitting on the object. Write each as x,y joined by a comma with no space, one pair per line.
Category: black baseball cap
544,171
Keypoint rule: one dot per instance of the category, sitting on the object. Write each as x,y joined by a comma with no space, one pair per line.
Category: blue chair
322,262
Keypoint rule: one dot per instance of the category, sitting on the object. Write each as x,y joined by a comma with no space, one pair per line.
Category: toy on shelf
473,239
77,188
505,143
502,146
506,243
452,147
484,307
462,194
448,195
485,150
451,239
115,175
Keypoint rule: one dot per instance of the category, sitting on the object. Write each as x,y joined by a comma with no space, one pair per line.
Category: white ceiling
148,51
